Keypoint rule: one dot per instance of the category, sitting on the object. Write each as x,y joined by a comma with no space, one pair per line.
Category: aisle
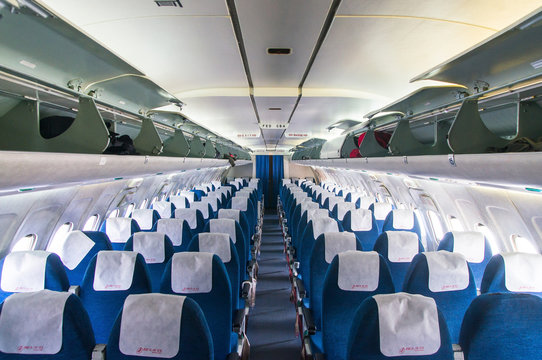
271,324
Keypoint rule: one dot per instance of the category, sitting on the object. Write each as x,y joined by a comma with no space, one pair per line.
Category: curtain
262,173
270,171
278,174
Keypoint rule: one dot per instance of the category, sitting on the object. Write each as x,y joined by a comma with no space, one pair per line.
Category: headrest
361,220
324,225
337,242
190,215
325,195
402,245
151,245
73,249
202,206
403,219
225,226
151,325
358,270
408,324
192,272
172,228
24,271
239,203
216,243
189,195
470,244
381,210
334,200
118,229
242,194
298,196
114,270
286,181
343,208
307,205
144,218
522,272
447,271
163,208
32,323
317,213
212,199
233,214
179,201
205,189
365,202
216,184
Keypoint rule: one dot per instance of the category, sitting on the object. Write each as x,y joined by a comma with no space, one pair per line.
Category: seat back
316,227
145,218
363,224
45,325
156,249
202,277
473,246
402,220
233,229
332,201
190,195
398,249
340,209
400,326
447,278
177,230
119,230
110,277
238,216
502,326
247,207
513,272
364,202
193,217
179,201
204,207
28,271
352,277
380,211
165,209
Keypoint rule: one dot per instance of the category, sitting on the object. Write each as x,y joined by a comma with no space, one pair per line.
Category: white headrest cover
179,201
408,325
365,201
337,242
118,229
325,195
151,245
202,188
143,217
239,203
324,225
216,184
233,214
189,195
31,323
307,205
211,199
343,208
317,213
358,270
361,220
74,248
470,244
114,270
522,272
286,181
192,272
173,228
151,325
24,271
202,206
224,226
447,271
402,246
216,243
381,210
403,219
163,208
334,200
190,215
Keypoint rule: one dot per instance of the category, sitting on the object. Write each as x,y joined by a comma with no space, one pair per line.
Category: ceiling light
274,109
279,51
168,3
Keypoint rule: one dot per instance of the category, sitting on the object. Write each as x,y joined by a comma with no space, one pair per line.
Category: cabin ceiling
366,59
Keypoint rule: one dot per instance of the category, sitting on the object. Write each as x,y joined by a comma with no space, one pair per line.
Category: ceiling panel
286,104
293,24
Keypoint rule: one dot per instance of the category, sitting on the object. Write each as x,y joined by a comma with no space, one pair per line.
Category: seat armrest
239,321
233,356
98,353
318,356
298,283
75,289
245,289
309,322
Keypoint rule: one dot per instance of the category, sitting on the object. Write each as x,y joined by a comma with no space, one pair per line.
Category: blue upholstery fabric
155,270
388,223
210,213
168,212
195,342
243,222
153,215
55,275
198,194
200,222
216,305
119,246
339,307
77,336
364,338
379,222
101,242
452,304
250,214
232,267
398,270
314,283
502,326
447,243
241,245
495,276
301,227
103,306
367,238
186,235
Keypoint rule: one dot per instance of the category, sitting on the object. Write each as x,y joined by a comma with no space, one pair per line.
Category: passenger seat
119,230
513,272
145,218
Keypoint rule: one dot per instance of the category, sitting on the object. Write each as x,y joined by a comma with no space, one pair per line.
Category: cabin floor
271,326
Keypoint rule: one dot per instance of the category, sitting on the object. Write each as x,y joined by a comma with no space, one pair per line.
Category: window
436,224
144,204
455,224
113,214
129,210
489,236
522,244
90,224
25,243
55,244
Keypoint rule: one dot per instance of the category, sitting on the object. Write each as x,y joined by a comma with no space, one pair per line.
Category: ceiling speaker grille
168,3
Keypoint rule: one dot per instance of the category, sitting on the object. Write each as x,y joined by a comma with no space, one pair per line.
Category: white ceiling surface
371,52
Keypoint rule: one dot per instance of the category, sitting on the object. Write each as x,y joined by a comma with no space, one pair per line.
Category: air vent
275,109
537,64
279,51
168,3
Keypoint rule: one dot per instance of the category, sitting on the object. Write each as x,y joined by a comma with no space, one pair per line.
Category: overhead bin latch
451,159
75,84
